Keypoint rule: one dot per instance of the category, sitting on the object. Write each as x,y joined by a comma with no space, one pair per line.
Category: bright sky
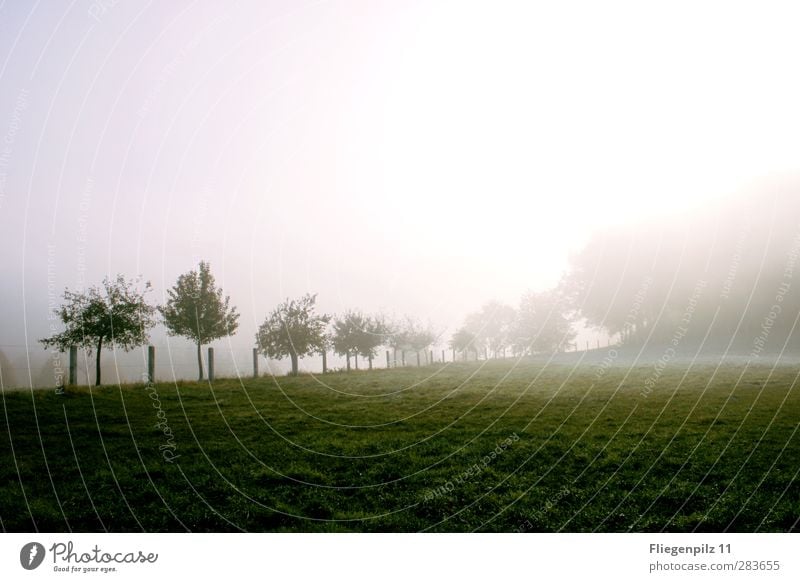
416,157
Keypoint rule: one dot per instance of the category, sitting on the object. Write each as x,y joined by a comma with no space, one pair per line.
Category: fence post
255,362
210,364
73,365
387,358
151,364
324,362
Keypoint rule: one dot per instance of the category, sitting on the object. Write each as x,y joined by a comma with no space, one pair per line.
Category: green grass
410,450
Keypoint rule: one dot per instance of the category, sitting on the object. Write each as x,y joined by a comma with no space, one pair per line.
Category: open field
463,447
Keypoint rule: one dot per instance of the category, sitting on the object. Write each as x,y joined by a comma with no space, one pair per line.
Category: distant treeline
723,277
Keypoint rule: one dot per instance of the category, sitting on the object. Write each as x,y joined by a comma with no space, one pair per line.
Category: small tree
544,323
374,334
197,310
408,335
115,314
491,326
293,329
346,335
356,334
463,341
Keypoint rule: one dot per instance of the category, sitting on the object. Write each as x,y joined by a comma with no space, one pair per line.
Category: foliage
490,327
463,340
543,323
114,315
357,334
197,310
293,329
409,334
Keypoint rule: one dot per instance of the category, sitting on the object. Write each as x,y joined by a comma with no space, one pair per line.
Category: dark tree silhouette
347,330
293,329
356,334
197,310
115,314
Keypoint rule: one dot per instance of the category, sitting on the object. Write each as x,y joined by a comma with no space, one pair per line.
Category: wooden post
387,358
255,362
324,362
210,364
73,365
151,364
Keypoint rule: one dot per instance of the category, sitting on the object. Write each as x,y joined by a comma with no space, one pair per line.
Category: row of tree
117,314
543,322
713,276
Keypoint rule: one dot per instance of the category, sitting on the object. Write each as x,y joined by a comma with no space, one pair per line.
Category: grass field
461,448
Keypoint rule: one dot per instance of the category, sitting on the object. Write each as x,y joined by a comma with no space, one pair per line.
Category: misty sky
407,157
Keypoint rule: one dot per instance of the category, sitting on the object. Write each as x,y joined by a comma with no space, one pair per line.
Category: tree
357,334
373,335
463,341
293,329
346,331
197,310
408,335
543,324
115,314
491,326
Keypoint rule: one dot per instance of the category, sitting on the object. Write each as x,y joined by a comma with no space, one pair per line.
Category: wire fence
32,366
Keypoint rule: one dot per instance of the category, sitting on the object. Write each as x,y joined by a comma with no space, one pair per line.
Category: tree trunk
356,357
199,363
294,363
370,362
348,361
97,362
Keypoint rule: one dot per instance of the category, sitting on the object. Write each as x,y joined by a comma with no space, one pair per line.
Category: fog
416,158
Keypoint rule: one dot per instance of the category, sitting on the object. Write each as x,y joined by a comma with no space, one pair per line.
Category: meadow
501,446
